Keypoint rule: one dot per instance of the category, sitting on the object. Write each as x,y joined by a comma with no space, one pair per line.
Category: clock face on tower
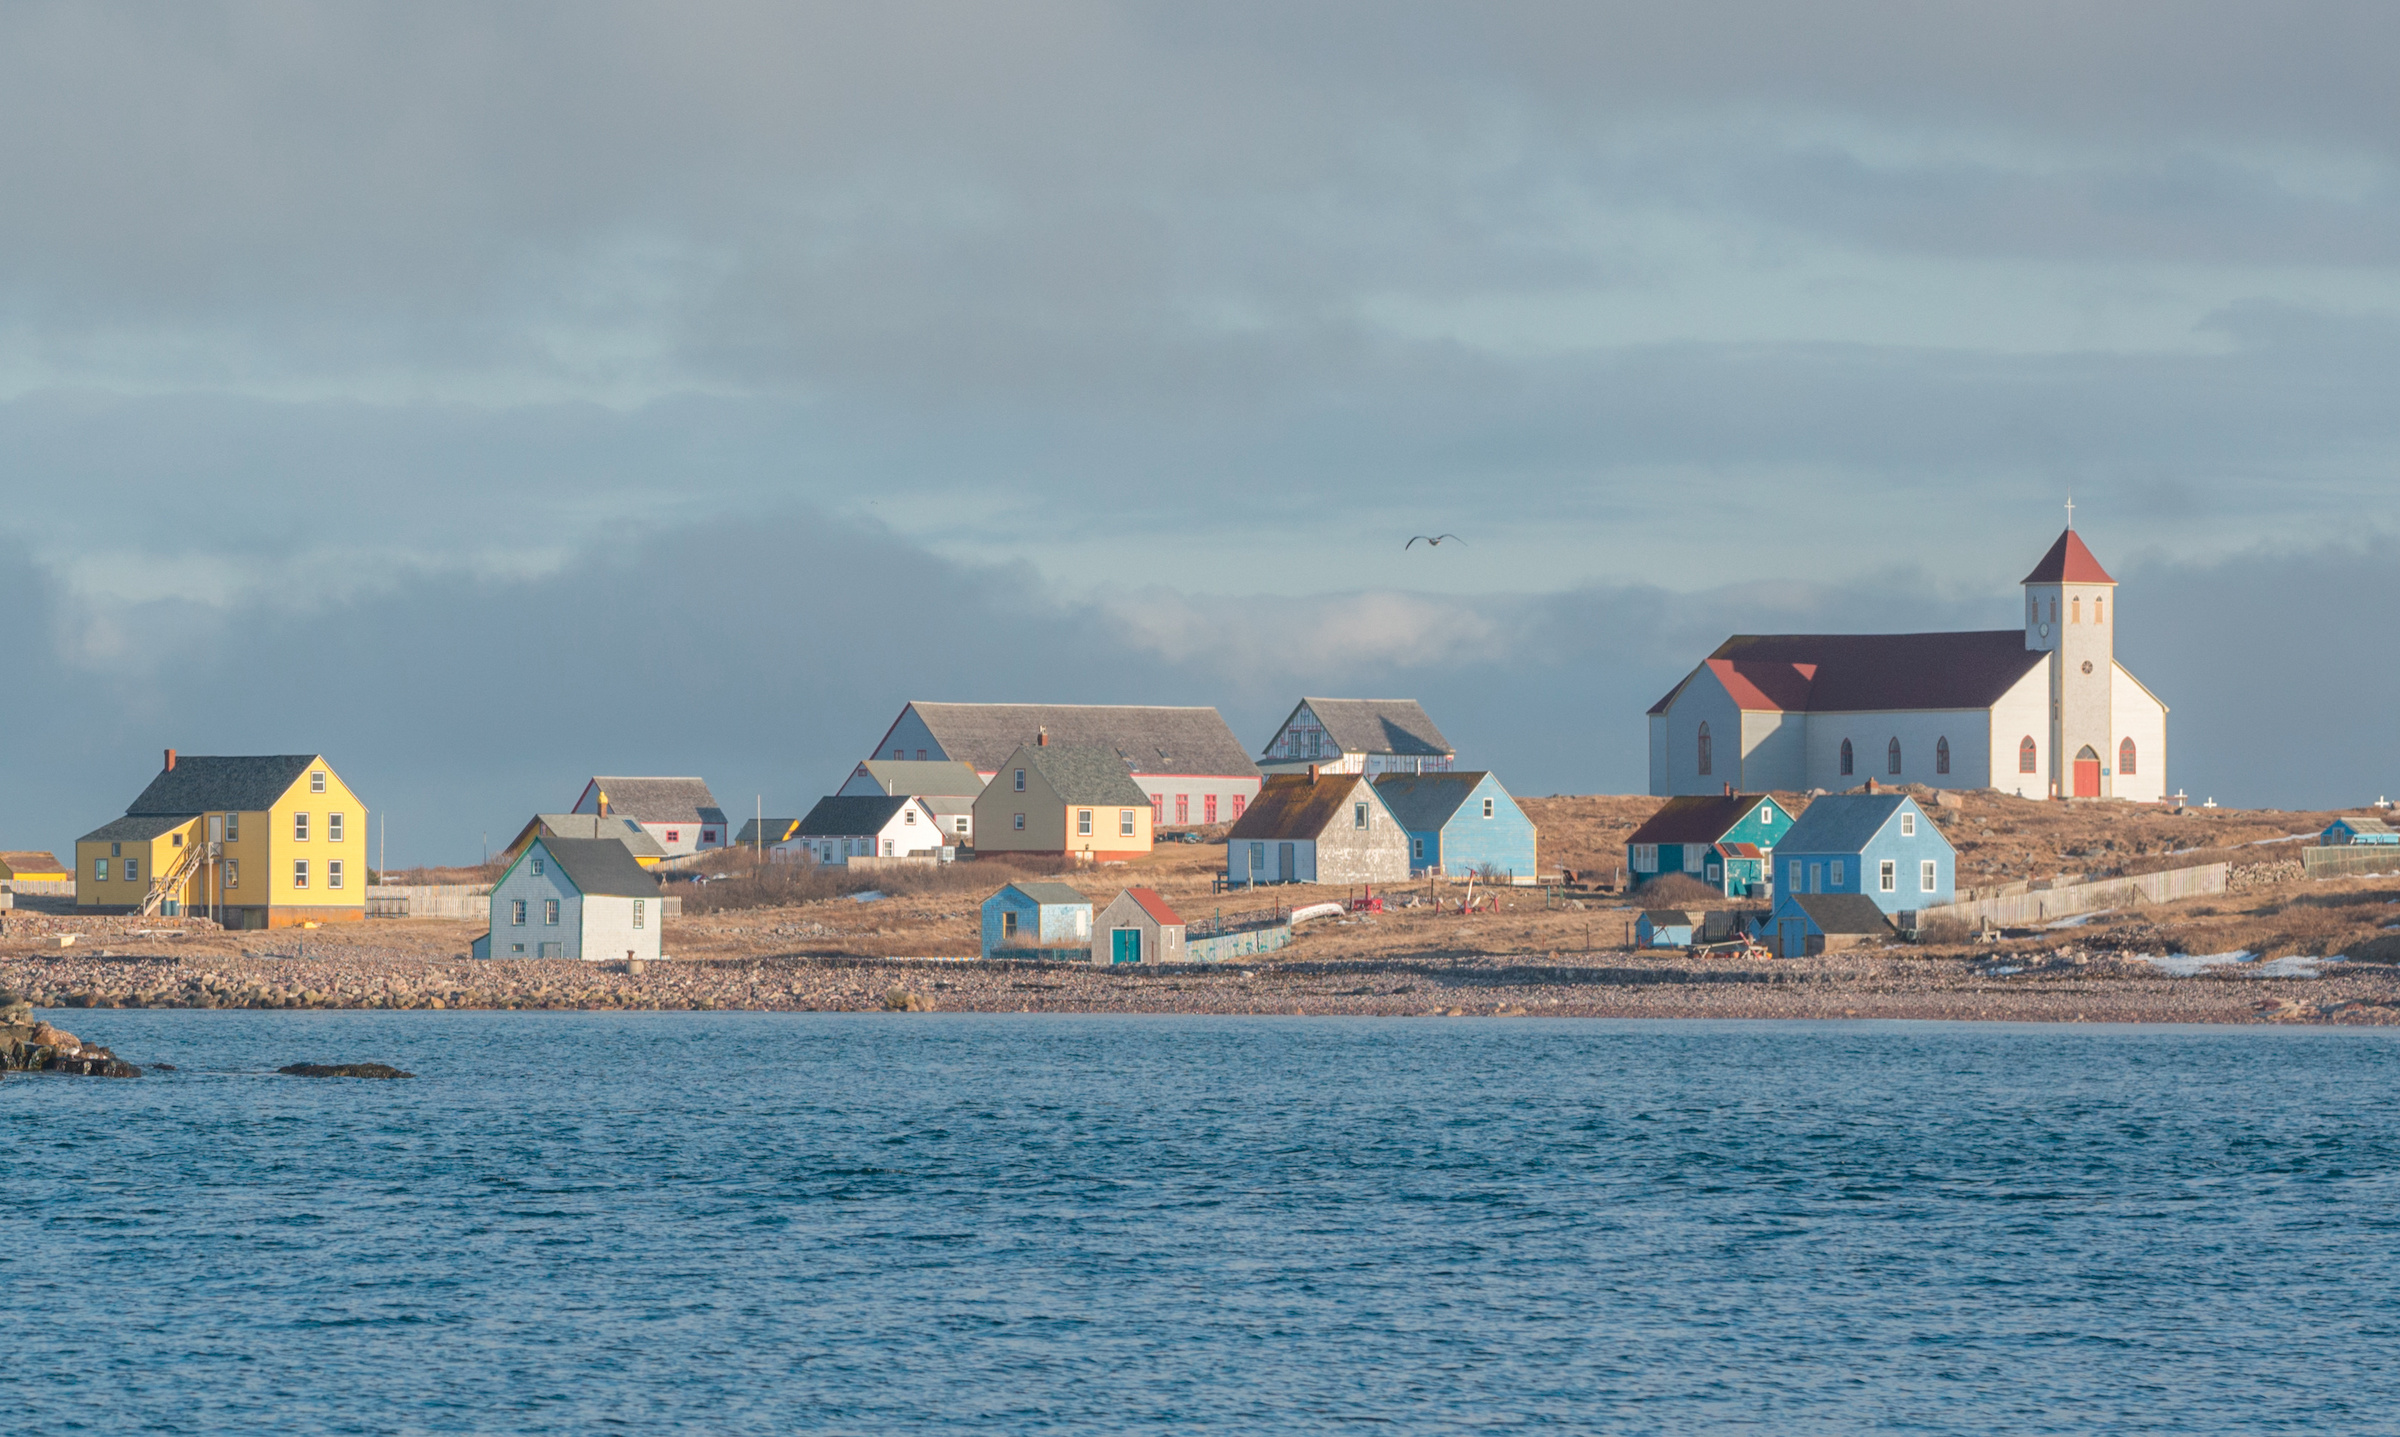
2087,666
2043,630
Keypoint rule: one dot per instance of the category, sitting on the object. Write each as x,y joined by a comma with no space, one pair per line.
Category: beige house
1070,799
1137,926
1317,827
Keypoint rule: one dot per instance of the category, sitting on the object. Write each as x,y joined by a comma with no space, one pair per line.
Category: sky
486,397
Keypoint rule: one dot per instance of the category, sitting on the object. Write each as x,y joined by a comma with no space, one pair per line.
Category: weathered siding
1346,853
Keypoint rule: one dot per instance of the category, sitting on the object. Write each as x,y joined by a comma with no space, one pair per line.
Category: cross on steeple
2070,511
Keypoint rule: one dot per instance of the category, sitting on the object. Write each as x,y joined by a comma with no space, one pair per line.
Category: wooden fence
2036,904
471,901
2346,860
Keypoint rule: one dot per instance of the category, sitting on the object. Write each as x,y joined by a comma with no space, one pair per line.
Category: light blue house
1459,822
1806,924
1726,841
1037,920
2358,830
1881,845
1663,928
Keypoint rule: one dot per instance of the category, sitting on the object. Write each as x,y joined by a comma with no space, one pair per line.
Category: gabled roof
657,800
1423,801
1740,850
778,829
1841,912
838,817
137,827
591,825
1080,773
1393,726
600,867
1149,902
1668,917
1289,806
2068,562
2350,821
202,783
33,864
1860,673
1696,818
1049,895
948,805
1146,739
1846,822
894,775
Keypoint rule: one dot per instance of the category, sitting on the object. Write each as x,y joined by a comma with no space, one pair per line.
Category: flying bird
1433,539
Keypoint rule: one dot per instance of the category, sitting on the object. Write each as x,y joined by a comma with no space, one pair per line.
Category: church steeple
2070,604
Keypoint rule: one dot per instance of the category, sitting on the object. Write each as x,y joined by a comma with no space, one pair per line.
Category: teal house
2358,830
1881,845
1459,822
1726,841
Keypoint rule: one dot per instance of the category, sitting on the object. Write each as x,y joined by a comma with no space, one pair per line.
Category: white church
2042,712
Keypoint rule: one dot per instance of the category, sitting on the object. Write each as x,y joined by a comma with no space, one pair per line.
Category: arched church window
1891,754
2025,755
2097,601
2125,758
1707,755
1845,758
2054,611
1941,755
2074,611
2033,609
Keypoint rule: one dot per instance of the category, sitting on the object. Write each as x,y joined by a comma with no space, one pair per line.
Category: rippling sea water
770,1223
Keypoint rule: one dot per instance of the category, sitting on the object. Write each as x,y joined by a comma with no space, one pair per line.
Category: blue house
1804,924
1877,844
1459,822
2358,830
1725,841
1663,928
1037,920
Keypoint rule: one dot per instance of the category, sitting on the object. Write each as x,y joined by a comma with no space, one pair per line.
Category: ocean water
740,1223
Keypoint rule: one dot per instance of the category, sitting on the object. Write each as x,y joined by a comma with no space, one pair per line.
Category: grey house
1369,736
1317,827
573,898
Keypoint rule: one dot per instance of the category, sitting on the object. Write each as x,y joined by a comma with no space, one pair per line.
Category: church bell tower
2071,614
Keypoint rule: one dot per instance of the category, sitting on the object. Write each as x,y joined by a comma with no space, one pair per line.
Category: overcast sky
487,396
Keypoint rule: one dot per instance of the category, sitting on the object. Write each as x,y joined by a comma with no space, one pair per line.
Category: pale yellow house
1072,799
32,871
254,841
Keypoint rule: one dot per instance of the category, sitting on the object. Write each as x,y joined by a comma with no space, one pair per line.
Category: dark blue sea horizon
732,1222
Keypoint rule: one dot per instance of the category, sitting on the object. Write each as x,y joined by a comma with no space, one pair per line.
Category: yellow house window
233,828
233,873
299,873
300,828
316,781
333,828
1083,822
100,870
133,869
1125,822
333,873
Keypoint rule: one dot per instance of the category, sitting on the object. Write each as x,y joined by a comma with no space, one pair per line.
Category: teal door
1126,946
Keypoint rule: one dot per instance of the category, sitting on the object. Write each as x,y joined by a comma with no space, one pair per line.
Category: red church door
2087,773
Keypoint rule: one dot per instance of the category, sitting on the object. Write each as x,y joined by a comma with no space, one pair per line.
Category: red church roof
2068,562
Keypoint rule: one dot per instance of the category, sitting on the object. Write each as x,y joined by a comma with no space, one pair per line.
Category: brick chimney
170,760
1312,773
604,805
1041,738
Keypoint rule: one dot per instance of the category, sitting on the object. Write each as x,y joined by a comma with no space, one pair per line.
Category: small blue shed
1809,923
1459,822
1663,928
1881,845
1037,920
2358,830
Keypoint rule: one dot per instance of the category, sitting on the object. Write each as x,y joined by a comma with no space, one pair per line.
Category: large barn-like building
2045,711
1188,763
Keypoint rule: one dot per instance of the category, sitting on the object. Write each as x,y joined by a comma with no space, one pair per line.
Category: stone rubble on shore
29,1045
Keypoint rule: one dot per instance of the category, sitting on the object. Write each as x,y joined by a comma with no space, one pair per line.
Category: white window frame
1695,857
233,828
1490,807
1908,825
516,912
316,781
333,828
1124,823
1645,858
1929,876
1833,875
1020,780
537,867
1889,876
299,873
300,825
1083,823
133,869
333,873
99,870
640,913
550,912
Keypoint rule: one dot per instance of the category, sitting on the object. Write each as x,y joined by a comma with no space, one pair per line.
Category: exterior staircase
167,887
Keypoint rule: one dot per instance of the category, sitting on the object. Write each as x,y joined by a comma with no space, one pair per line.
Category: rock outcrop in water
342,1070
28,1045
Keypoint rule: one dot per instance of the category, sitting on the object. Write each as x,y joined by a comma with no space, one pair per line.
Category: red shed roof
2068,562
1154,905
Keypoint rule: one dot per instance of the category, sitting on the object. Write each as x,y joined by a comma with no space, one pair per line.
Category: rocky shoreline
2061,985
30,1045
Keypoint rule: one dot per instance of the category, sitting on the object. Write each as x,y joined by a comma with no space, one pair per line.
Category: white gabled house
888,825
680,813
573,898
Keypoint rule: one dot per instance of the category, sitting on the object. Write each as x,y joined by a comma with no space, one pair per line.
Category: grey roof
1147,739
1423,801
658,800
948,805
1081,773
839,817
1394,726
601,866
1844,822
592,825
778,829
201,783
1049,895
136,828
1842,912
2362,825
1669,917
949,779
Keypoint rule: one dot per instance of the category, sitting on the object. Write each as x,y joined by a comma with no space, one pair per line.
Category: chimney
1041,738
170,760
604,805
1312,773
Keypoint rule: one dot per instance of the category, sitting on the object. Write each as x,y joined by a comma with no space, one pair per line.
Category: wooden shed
1137,926
2358,830
1804,924
1664,928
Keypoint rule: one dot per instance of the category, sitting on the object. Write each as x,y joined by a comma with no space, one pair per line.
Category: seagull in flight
1433,539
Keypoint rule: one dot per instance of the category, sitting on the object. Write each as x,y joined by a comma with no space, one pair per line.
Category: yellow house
253,841
32,871
1071,799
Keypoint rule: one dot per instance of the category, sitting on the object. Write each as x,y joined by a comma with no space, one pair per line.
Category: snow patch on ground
2191,965
2079,919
